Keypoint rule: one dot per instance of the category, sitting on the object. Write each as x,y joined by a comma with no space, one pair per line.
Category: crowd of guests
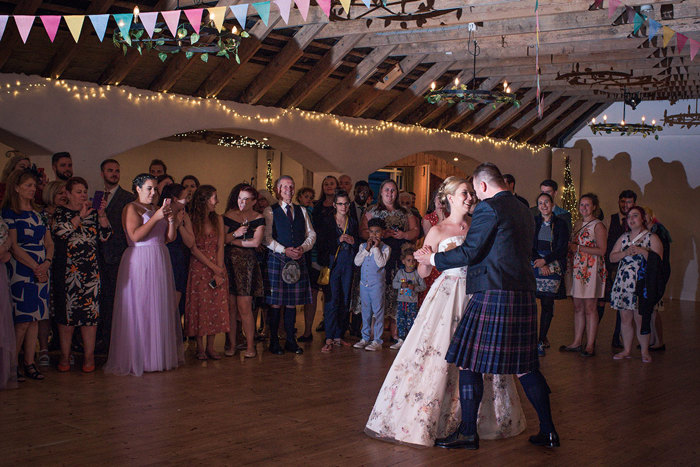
137,270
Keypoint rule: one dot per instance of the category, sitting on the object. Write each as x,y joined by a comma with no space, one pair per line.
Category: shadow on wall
670,196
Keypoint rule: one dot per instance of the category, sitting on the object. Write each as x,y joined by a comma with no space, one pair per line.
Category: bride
419,400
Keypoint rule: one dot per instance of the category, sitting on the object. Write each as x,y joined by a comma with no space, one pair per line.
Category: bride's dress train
419,400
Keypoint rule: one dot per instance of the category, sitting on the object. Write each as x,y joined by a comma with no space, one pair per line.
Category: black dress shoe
564,348
308,338
291,348
585,353
276,349
548,440
458,441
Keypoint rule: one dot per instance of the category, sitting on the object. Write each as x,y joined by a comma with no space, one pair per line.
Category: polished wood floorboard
311,410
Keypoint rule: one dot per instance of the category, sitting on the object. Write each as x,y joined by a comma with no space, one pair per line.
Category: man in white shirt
288,234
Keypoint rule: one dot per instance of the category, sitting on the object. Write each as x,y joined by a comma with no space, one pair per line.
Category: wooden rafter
550,118
509,115
532,115
486,112
572,117
460,110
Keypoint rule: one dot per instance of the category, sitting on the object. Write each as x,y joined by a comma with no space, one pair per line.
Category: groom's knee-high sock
471,389
537,391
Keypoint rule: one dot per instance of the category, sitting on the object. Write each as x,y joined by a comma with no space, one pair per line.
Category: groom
498,332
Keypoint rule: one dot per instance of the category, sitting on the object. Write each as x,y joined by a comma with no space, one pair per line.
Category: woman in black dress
80,227
245,229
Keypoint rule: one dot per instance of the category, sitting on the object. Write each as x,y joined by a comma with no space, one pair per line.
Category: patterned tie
106,196
289,213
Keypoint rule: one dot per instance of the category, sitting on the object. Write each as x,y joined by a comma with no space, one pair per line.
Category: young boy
409,285
372,258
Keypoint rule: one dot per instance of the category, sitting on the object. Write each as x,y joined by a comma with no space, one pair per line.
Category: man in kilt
498,332
288,234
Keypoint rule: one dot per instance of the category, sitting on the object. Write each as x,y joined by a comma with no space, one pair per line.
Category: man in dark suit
498,332
510,186
111,251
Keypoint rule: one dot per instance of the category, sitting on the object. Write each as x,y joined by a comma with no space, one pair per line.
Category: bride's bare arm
432,240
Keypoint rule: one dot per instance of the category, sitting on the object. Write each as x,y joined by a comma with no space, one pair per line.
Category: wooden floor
311,410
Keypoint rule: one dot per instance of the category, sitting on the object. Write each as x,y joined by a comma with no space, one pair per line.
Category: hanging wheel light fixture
459,92
686,120
624,128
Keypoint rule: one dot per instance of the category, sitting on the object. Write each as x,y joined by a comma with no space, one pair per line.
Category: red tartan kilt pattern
497,334
277,292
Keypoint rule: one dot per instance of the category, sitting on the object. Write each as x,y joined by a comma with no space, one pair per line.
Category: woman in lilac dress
146,333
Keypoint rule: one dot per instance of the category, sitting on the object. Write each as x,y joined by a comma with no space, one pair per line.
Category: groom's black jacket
497,248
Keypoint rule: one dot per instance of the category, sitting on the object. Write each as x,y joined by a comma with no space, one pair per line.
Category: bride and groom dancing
425,400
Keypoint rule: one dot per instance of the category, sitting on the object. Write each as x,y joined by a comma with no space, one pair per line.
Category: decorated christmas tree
268,177
569,200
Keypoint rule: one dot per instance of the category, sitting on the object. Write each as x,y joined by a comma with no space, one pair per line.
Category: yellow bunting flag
217,14
668,35
75,25
346,5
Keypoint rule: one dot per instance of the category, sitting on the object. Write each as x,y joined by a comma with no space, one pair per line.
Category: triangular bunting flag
694,46
263,9
148,20
630,13
172,19
51,23
346,5
325,6
3,24
195,18
638,21
612,6
75,25
124,23
240,12
653,28
681,39
303,6
668,35
597,4
284,6
218,15
368,3
24,25
99,22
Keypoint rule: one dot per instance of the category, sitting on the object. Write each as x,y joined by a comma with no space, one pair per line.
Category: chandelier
686,120
461,93
624,128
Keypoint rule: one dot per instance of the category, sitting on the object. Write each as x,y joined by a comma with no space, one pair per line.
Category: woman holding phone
206,310
146,333
79,227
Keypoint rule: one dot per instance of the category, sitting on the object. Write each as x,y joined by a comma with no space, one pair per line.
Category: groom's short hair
489,173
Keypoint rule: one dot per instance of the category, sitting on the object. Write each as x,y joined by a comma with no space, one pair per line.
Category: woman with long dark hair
206,310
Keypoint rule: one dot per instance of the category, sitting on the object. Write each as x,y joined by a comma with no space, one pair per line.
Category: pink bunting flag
172,19
3,23
303,6
195,18
24,25
681,39
51,23
284,6
694,46
148,19
612,6
325,6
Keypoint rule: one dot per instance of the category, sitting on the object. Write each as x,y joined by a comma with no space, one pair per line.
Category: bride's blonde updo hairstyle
449,187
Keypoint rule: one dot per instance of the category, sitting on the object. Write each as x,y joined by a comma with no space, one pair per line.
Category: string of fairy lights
85,93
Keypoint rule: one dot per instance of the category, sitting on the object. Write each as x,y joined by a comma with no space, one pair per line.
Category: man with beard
111,251
62,165
360,201
618,226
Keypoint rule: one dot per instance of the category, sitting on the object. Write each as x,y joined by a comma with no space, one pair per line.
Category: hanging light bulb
508,89
505,85
432,86
593,120
653,122
622,122
456,81
234,30
136,13
605,118
643,119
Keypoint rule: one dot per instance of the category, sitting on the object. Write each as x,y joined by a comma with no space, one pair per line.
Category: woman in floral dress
79,227
586,282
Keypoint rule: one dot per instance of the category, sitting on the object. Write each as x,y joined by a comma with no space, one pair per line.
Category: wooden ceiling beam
429,112
510,114
322,70
414,93
354,79
485,113
569,120
11,39
223,73
279,65
532,115
550,118
355,107
461,110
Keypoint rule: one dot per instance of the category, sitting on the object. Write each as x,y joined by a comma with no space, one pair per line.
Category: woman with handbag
549,253
337,239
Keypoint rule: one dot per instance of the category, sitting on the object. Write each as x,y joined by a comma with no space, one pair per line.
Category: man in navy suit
498,332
